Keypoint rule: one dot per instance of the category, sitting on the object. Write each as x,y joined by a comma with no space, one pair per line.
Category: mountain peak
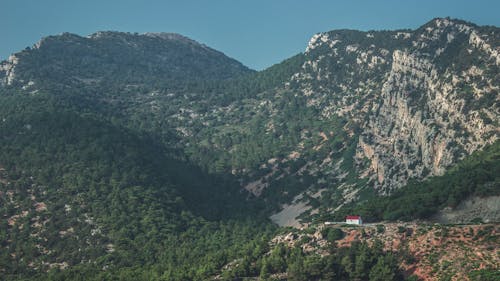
441,22
169,36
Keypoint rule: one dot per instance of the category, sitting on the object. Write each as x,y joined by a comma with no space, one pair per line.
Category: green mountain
116,57
85,194
151,156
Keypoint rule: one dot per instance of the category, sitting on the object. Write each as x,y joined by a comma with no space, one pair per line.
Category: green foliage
380,228
332,234
484,275
412,278
359,262
384,269
169,212
128,203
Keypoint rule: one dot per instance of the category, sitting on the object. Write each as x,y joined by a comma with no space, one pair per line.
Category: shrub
380,228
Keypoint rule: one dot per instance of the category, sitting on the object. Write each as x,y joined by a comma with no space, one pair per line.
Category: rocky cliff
423,99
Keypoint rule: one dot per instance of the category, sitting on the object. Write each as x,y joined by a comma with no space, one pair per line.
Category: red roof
352,217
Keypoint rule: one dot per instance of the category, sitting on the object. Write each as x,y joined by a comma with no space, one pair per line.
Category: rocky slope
486,209
365,110
424,251
416,102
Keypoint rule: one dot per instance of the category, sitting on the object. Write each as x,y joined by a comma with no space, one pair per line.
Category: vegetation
90,192
358,262
125,194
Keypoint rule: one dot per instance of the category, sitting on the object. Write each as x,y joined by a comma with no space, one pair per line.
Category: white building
353,220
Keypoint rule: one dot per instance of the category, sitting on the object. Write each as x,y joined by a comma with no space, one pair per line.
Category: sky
258,33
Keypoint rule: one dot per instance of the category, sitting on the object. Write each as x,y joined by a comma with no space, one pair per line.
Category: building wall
351,221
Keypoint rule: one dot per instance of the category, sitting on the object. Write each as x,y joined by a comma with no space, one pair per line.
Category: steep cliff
423,99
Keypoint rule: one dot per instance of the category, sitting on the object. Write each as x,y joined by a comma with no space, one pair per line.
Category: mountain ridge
151,54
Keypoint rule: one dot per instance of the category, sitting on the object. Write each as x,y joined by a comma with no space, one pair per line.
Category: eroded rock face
423,123
7,70
423,99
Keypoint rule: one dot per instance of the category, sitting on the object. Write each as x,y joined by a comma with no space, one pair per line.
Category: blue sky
258,33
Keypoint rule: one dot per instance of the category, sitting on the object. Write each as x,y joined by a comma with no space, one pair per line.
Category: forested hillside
154,157
77,189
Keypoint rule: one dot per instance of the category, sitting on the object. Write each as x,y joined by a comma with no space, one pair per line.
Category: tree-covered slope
79,191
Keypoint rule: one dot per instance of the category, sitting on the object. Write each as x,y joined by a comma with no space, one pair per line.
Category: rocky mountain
356,111
427,108
420,99
120,149
423,99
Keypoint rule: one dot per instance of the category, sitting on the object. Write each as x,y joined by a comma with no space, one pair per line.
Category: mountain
419,100
152,156
84,196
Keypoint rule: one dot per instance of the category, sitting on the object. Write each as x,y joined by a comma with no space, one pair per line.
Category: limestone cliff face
422,125
7,70
422,99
